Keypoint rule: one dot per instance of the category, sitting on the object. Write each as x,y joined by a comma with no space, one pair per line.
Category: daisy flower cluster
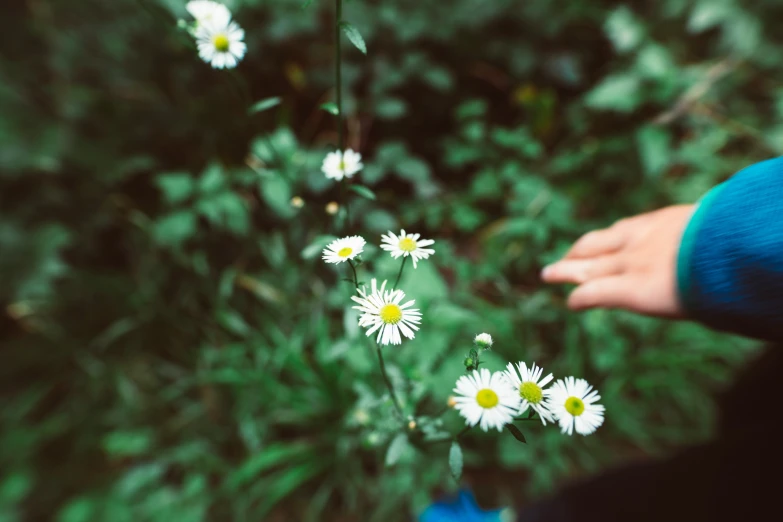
219,39
489,400
383,309
494,400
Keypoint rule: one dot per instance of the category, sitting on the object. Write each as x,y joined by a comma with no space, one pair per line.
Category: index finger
598,243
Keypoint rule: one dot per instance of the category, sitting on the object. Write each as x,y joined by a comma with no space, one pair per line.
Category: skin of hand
631,265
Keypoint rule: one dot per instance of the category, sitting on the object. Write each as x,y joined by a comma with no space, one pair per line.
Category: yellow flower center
345,252
342,165
574,406
220,41
391,314
487,398
407,244
531,392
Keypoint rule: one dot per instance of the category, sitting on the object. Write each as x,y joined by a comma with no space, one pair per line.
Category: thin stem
338,81
440,412
347,202
399,275
449,438
355,278
463,432
338,74
388,383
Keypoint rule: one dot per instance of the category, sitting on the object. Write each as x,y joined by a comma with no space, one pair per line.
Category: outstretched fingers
618,291
599,242
579,271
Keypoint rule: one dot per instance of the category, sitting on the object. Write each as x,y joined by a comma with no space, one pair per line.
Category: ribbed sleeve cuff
687,245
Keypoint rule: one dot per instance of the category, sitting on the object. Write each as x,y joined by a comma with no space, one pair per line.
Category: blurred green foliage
175,350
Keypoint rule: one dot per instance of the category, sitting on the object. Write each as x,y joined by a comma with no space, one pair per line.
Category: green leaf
270,457
176,186
455,460
315,248
175,228
227,210
391,108
233,322
276,191
286,482
624,29
516,433
396,449
263,105
363,191
15,487
654,149
618,92
331,108
353,35
212,179
80,509
125,443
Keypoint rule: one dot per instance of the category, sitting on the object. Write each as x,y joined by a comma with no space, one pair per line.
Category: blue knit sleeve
730,265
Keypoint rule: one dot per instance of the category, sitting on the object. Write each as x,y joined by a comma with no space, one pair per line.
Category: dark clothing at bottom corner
736,476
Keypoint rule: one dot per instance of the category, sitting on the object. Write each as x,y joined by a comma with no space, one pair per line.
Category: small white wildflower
337,164
343,249
220,42
407,245
383,312
573,403
530,387
208,12
486,398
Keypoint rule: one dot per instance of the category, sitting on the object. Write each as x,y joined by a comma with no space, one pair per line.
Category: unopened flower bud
297,202
468,362
412,425
483,341
332,207
452,401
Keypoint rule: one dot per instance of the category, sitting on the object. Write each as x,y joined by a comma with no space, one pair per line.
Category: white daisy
337,164
530,387
220,43
483,340
383,312
206,11
407,245
573,404
343,249
486,398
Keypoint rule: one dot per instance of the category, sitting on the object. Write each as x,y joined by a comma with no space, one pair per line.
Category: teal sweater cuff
730,262
685,253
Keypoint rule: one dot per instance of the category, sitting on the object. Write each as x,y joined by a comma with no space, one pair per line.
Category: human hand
631,265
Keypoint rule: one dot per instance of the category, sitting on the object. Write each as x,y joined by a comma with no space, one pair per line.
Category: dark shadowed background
173,350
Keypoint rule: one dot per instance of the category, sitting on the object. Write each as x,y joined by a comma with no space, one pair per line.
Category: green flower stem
338,73
449,438
399,275
338,81
388,383
355,278
347,201
463,432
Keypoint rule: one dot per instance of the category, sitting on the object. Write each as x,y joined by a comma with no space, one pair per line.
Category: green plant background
173,347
